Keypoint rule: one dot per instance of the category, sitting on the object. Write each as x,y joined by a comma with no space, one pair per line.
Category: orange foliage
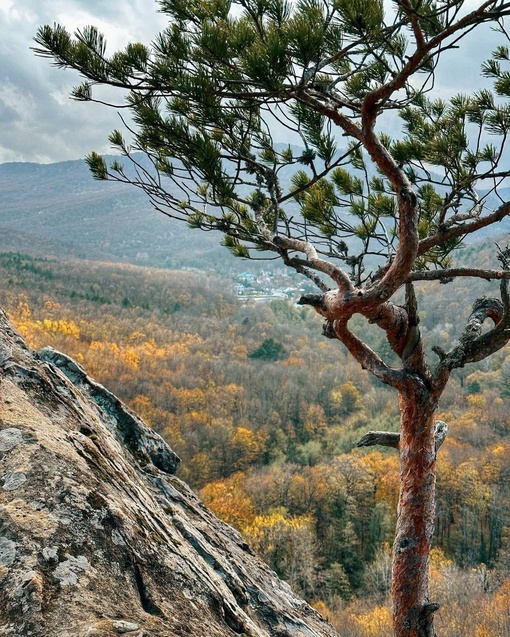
375,623
229,502
247,446
268,442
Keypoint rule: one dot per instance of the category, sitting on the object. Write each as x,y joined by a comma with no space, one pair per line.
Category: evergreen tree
269,350
361,214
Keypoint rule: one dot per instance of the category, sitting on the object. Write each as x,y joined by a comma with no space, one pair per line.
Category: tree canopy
208,95
351,205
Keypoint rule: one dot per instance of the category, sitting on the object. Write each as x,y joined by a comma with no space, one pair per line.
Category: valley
265,413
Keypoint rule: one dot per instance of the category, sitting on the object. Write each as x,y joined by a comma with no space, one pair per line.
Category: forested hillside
265,415
58,209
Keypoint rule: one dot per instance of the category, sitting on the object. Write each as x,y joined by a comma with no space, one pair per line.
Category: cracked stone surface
99,537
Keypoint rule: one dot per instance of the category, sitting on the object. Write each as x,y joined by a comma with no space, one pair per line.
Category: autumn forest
265,415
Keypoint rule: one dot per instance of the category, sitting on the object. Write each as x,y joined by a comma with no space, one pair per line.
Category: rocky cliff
99,538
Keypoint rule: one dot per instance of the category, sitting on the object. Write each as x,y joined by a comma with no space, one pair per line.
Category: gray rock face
99,538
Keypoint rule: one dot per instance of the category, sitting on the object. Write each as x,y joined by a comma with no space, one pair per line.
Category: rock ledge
99,538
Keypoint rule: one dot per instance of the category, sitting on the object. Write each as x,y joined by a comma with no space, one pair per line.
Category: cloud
38,121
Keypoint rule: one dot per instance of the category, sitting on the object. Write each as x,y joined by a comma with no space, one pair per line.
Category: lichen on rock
7,552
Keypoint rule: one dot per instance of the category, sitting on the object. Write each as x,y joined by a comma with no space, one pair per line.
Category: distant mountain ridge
60,210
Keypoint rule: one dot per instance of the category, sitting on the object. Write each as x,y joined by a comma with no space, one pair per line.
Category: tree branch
413,355
445,276
473,345
374,99
446,234
381,438
413,17
393,319
365,356
313,261
329,108
392,439
409,246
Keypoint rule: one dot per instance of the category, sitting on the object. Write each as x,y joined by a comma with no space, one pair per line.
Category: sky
40,123
38,120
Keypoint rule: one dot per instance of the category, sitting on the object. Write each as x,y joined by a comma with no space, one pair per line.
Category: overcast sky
38,121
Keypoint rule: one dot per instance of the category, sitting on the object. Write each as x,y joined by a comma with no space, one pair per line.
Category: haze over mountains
60,210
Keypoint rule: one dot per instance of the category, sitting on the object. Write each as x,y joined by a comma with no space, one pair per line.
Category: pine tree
359,213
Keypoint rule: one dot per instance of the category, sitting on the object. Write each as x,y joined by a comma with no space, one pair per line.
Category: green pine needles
225,82
361,212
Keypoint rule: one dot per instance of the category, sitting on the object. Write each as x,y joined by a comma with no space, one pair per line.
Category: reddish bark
418,396
412,611
419,391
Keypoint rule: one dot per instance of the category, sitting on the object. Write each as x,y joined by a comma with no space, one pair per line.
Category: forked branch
474,344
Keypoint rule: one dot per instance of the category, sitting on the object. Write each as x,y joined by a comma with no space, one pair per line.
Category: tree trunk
412,611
